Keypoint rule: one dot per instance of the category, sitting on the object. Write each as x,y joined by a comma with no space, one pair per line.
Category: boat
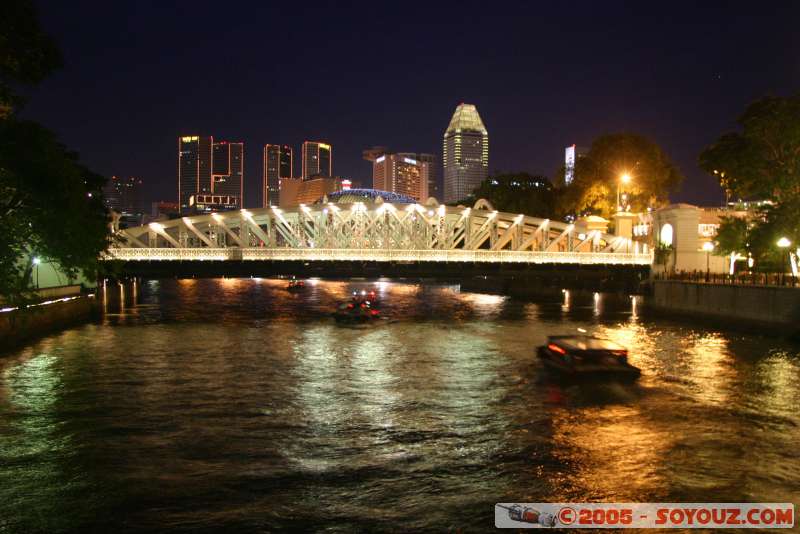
356,311
586,356
296,285
367,296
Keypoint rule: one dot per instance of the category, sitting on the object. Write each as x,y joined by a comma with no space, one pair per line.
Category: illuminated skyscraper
401,173
278,165
431,174
465,153
317,159
228,170
124,195
209,168
571,154
194,167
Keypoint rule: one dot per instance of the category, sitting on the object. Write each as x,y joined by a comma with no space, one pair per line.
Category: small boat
296,285
367,296
586,356
356,311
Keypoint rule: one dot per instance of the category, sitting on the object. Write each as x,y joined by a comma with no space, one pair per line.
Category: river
233,404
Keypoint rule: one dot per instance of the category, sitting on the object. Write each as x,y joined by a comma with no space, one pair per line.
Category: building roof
348,196
466,118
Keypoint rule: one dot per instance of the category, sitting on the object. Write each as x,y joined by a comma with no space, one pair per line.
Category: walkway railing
752,279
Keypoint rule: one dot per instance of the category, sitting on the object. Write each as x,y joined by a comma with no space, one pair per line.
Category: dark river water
234,405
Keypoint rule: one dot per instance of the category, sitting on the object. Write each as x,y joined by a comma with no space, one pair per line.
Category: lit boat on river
356,311
586,356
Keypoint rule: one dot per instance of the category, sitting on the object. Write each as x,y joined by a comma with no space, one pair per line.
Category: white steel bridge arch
378,231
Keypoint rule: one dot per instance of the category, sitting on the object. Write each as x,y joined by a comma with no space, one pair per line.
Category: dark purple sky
543,75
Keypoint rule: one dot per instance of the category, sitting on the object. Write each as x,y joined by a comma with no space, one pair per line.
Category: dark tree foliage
50,205
763,158
598,173
516,193
27,54
732,236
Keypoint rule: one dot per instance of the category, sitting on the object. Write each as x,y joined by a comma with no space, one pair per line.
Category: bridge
375,232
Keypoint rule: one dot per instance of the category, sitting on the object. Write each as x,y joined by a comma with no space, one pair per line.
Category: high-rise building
228,170
571,155
124,195
206,168
278,165
317,159
465,153
401,173
432,175
194,167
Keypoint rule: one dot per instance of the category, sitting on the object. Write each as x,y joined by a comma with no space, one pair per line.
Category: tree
761,160
598,176
732,236
519,192
50,205
27,54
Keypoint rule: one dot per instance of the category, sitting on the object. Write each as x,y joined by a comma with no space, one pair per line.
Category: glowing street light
708,246
784,243
624,179
36,262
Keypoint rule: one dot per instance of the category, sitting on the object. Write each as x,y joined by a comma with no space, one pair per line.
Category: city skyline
534,101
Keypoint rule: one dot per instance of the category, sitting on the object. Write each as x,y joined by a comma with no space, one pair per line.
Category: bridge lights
156,227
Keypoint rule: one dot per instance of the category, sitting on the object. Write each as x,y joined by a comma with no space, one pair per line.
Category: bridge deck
373,255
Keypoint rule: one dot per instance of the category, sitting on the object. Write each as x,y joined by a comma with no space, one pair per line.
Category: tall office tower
228,170
465,154
400,173
317,159
194,167
278,165
571,154
432,174
124,195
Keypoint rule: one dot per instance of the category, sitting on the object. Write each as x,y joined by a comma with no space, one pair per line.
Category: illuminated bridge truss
374,232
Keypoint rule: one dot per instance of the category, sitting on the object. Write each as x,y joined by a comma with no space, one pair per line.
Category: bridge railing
377,255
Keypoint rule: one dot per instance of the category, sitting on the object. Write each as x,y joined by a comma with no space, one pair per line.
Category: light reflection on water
232,403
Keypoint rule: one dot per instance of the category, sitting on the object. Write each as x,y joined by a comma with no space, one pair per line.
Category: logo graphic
644,515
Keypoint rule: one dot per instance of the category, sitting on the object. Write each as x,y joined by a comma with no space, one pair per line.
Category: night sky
543,76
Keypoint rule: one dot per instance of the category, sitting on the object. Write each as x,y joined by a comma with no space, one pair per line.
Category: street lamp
624,179
708,246
36,262
784,243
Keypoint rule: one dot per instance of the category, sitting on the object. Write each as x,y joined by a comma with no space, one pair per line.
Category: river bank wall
21,326
758,308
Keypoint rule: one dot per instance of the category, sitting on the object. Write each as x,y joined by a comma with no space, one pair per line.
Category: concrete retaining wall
757,305
19,326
